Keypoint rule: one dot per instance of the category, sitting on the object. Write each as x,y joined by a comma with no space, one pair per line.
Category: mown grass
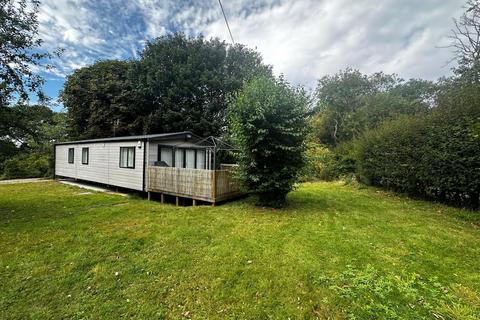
337,252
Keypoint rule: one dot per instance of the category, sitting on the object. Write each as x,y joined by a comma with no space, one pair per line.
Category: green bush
435,155
323,163
317,160
268,125
389,155
32,165
8,149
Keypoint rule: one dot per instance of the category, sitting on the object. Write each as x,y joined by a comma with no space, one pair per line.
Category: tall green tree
32,126
20,50
20,57
350,102
341,94
379,108
184,82
178,83
32,130
100,101
268,125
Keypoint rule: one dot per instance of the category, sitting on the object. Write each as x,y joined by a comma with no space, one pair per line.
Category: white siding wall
103,164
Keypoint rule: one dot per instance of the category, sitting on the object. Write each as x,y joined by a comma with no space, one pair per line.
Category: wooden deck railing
199,184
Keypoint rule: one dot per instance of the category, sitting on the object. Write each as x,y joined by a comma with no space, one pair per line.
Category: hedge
435,155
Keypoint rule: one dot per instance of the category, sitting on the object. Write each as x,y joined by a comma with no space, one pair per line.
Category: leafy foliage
434,155
28,125
99,101
327,164
196,77
379,108
8,149
26,132
19,50
179,83
349,102
268,125
29,165
27,135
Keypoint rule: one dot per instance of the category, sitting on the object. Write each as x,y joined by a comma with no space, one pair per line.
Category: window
84,155
71,155
166,155
201,159
189,158
127,157
179,158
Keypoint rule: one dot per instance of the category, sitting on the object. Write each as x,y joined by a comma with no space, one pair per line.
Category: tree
179,83
378,108
20,57
466,42
184,83
30,127
99,101
350,102
343,93
28,133
20,50
268,125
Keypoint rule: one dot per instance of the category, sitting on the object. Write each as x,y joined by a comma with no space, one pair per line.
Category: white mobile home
179,164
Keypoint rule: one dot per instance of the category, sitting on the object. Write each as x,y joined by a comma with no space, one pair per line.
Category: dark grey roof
160,136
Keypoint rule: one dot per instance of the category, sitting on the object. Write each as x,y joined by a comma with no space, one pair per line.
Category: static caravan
179,164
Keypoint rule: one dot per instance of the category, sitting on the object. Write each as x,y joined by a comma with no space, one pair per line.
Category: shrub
268,125
7,150
33,165
434,155
389,155
328,164
317,160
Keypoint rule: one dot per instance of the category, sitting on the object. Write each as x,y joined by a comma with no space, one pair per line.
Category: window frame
72,160
183,151
120,158
180,157
88,154
159,153
185,158
204,151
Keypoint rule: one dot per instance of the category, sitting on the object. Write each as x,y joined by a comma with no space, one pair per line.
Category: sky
302,39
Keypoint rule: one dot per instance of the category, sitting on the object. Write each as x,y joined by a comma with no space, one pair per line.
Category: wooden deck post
176,200
162,198
214,185
194,202
148,195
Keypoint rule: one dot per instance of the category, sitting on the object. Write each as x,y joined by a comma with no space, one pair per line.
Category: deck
198,184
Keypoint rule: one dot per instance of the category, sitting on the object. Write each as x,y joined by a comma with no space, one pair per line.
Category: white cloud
303,39
308,39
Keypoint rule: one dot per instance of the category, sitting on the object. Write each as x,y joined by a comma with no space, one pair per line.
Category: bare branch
465,41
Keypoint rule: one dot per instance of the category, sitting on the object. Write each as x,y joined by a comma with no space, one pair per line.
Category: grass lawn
337,252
